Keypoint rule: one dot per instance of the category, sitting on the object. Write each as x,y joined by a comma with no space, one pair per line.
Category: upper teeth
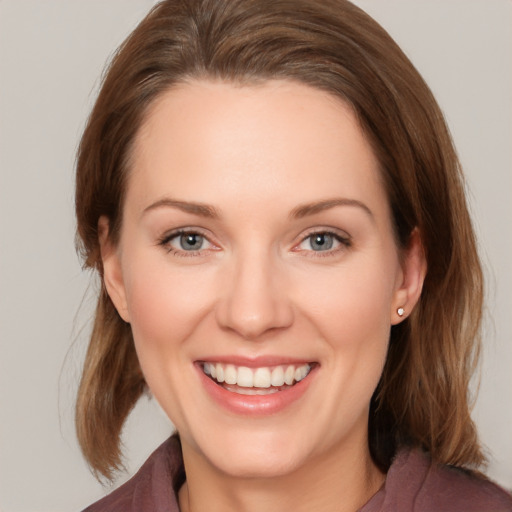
262,377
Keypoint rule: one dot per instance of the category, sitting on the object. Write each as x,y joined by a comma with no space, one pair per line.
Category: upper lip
256,362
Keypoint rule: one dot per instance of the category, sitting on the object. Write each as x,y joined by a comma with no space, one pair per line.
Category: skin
256,286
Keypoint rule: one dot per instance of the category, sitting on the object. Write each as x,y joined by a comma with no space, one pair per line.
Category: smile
256,381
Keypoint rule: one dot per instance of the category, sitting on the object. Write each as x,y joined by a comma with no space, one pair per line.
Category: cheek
350,310
165,309
164,306
353,300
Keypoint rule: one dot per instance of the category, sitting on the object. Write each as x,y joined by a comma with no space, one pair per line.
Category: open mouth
256,381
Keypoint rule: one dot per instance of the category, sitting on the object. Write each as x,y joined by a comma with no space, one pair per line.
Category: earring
400,311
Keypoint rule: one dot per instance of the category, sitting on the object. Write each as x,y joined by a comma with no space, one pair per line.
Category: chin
258,463
260,454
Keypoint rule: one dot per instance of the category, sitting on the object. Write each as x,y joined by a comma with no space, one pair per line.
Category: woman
271,197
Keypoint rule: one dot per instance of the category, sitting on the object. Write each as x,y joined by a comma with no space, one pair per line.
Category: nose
254,299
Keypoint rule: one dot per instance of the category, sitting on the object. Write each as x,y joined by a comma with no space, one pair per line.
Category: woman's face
257,247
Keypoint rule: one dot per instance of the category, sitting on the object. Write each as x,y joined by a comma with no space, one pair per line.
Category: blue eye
185,242
191,242
323,242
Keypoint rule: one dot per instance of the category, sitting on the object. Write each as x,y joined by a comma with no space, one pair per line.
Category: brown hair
332,45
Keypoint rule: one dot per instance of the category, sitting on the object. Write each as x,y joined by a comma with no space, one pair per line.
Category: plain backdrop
52,53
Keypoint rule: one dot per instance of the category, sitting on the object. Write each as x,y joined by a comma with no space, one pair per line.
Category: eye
323,241
320,241
185,242
190,241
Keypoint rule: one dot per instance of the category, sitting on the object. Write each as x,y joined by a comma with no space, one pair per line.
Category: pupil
322,241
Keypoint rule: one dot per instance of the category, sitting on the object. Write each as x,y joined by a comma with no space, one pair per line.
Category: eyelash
166,239
344,241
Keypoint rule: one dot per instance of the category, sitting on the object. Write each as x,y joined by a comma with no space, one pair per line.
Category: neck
340,481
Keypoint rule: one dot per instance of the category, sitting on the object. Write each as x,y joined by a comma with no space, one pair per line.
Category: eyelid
341,236
170,235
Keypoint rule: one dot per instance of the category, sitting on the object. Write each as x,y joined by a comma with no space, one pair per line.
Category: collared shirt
414,483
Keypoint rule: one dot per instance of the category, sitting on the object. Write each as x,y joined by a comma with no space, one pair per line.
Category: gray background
51,56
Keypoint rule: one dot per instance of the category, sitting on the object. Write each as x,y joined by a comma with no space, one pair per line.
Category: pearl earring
400,311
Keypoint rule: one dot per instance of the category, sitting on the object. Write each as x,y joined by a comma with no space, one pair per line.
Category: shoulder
151,488
451,488
416,483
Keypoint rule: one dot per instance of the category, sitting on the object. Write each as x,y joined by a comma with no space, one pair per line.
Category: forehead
215,139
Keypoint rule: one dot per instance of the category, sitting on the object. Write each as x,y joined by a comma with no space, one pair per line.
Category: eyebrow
301,211
319,206
201,209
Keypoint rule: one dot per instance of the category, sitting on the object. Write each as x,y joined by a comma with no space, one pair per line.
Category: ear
410,280
112,270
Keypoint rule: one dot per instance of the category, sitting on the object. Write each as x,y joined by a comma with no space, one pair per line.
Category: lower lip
255,405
